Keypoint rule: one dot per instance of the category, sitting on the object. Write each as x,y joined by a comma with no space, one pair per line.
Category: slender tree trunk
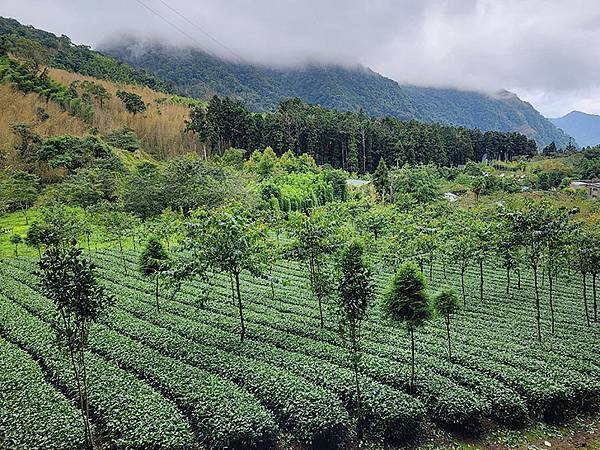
239,297
321,311
78,381
519,279
156,292
481,279
86,399
594,296
87,238
537,303
233,296
272,283
412,358
355,356
430,269
314,269
17,250
508,280
550,291
462,285
585,303
448,332
123,255
364,151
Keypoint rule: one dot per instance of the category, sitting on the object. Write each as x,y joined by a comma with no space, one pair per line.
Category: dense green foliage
34,414
330,136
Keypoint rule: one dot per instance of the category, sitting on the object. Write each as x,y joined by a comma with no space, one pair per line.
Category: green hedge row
132,414
445,400
33,414
389,414
224,416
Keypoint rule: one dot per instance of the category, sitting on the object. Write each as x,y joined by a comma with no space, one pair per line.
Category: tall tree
355,293
446,303
230,241
69,280
313,242
406,301
381,179
154,261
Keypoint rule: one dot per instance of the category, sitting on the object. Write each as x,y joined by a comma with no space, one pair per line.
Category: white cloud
546,51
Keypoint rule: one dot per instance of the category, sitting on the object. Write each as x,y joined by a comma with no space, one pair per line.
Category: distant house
357,183
592,186
450,197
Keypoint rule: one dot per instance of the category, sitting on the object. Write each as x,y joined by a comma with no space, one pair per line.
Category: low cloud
546,51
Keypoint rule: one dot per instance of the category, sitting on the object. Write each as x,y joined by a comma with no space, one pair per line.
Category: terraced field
181,378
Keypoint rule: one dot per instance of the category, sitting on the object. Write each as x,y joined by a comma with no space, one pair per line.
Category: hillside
160,128
201,75
585,128
504,111
42,47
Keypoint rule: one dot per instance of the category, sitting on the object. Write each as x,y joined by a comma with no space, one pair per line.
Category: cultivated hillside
585,128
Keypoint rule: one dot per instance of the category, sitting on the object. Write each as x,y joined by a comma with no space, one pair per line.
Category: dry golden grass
160,128
15,107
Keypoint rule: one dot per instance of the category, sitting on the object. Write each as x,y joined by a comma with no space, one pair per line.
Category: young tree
355,293
117,225
555,253
313,242
531,223
69,281
231,242
381,179
446,303
35,237
461,249
406,301
16,239
506,248
154,261
581,255
483,240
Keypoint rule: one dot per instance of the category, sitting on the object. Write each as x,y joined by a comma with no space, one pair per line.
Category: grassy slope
160,128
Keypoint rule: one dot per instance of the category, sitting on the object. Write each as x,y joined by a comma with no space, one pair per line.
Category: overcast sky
547,51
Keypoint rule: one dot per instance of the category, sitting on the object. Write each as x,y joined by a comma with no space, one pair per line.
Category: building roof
357,183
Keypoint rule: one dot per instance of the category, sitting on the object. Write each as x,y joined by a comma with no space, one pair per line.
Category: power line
199,28
156,13
249,66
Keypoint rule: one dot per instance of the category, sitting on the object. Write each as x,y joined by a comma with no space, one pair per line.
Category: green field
181,376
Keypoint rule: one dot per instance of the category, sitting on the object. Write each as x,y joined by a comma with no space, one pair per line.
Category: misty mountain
585,128
199,74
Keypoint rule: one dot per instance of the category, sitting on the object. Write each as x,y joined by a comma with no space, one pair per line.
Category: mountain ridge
200,74
194,73
584,127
